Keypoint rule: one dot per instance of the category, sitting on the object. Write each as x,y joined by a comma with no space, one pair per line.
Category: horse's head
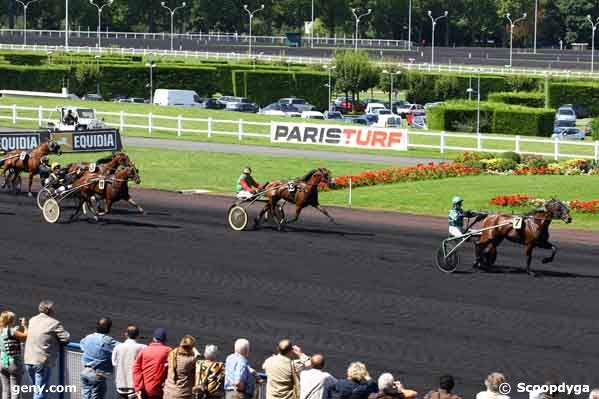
558,210
133,174
327,177
54,148
123,159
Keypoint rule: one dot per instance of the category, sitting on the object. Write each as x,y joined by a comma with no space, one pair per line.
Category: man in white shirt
316,383
123,356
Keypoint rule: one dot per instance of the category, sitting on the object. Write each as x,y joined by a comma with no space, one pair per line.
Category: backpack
210,377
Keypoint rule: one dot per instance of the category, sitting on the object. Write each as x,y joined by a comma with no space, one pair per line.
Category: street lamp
66,24
536,16
391,76
594,25
434,21
97,57
410,25
512,24
251,14
330,69
151,66
172,11
470,90
312,27
100,8
358,18
25,6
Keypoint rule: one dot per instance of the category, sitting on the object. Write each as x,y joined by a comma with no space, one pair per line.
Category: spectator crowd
157,371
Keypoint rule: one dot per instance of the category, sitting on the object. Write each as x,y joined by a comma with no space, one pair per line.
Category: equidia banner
84,141
339,135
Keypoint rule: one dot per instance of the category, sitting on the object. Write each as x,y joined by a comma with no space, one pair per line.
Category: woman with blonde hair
181,370
358,385
495,383
11,359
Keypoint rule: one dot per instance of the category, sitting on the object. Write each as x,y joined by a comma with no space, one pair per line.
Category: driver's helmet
70,112
247,170
45,160
457,200
55,166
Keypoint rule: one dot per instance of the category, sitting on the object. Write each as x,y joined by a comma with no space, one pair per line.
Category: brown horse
18,161
103,166
304,194
533,233
111,188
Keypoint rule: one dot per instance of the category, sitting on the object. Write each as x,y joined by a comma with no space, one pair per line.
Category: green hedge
526,99
495,118
25,59
595,127
33,78
584,94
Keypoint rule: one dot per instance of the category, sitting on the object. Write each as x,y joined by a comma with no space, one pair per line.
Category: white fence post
40,116
240,131
442,143
14,114
556,149
209,127
150,123
517,149
122,121
597,150
479,142
350,188
179,125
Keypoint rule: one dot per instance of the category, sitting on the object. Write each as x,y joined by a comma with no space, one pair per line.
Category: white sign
339,135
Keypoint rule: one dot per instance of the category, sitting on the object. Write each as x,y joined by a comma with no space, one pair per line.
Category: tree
355,73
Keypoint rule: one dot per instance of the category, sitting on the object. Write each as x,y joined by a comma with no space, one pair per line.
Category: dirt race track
364,289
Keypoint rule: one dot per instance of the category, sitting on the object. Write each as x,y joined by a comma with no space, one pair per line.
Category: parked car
562,124
179,98
396,105
389,121
360,120
210,103
432,104
242,107
312,115
382,111
347,104
93,97
570,133
333,115
403,112
565,114
132,100
278,109
298,103
371,107
419,122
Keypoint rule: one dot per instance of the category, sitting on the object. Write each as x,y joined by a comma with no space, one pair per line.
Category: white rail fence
180,125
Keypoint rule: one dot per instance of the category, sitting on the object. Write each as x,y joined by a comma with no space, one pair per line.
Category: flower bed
519,200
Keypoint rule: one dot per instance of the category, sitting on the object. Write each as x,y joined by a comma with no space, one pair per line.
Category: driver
456,217
246,185
44,169
62,178
70,119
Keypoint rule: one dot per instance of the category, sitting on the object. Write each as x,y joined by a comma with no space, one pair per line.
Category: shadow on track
510,270
297,229
129,223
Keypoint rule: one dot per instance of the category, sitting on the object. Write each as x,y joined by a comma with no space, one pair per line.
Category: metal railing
150,123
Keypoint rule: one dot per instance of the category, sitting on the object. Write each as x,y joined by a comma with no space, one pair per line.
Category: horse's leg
132,202
298,211
325,212
78,210
553,248
31,174
528,252
258,219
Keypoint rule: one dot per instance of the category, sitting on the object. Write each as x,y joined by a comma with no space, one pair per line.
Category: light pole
410,25
470,90
100,8
25,6
434,21
512,24
391,76
330,69
97,57
251,14
536,16
358,18
172,11
312,27
151,66
594,25
66,24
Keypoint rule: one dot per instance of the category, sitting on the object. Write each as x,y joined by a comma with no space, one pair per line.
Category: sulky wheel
51,211
447,264
42,196
237,217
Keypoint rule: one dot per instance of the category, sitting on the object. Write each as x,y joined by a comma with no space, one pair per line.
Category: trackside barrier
240,128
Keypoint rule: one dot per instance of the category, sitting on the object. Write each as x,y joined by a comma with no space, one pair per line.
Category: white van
179,98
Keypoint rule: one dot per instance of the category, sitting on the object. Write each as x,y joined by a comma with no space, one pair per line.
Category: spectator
123,357
283,371
210,375
11,360
181,370
149,368
493,382
240,378
358,385
594,394
446,385
314,382
391,389
540,394
44,337
97,360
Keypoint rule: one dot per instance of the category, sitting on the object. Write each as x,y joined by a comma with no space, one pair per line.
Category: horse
304,194
111,188
18,161
533,233
104,166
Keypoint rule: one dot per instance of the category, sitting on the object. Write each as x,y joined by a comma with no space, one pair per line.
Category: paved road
271,151
362,290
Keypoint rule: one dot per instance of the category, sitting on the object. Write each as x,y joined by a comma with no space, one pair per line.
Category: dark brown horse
104,166
111,188
18,161
533,232
304,194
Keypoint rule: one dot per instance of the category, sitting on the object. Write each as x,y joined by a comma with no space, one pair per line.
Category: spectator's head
211,352
358,372
242,346
446,383
594,394
159,335
132,332
46,307
385,381
285,347
187,345
7,319
317,361
493,381
103,325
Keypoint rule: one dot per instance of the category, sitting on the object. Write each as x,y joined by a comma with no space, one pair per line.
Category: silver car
300,104
569,133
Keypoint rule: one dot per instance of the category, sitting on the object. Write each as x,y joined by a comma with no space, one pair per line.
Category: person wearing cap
246,185
456,217
150,367
283,371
